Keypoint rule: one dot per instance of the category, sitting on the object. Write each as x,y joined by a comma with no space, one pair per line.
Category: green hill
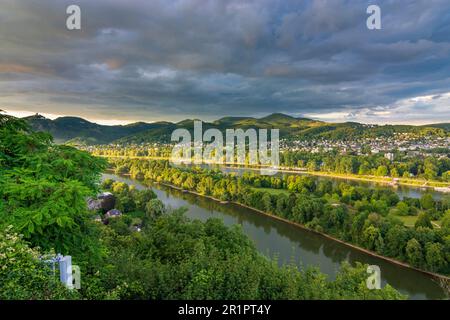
445,126
80,131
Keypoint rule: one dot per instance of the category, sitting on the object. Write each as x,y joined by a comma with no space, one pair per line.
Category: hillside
80,131
72,128
445,126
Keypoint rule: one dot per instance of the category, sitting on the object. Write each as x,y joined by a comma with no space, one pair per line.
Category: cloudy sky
170,60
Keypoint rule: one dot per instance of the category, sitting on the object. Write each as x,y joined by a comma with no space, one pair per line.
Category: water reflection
291,244
401,190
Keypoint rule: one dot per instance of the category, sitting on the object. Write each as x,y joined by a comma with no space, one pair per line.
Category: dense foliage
44,187
23,275
173,257
149,252
406,166
366,217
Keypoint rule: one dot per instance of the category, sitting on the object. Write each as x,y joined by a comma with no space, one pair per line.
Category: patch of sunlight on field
409,221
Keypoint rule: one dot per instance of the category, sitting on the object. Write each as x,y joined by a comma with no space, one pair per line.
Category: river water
401,190
288,243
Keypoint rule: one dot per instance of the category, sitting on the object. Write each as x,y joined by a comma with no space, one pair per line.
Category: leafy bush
23,275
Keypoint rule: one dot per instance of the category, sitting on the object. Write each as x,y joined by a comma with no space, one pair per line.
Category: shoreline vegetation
390,181
367,219
144,251
436,276
301,226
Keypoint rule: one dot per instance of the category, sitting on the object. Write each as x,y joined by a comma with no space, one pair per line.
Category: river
288,243
401,190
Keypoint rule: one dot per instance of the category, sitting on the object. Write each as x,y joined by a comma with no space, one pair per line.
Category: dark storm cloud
173,59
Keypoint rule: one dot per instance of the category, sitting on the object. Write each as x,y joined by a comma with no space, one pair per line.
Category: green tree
402,208
423,220
44,190
446,176
426,201
382,171
414,253
267,202
142,197
311,165
394,173
372,238
153,209
396,241
434,256
430,168
445,222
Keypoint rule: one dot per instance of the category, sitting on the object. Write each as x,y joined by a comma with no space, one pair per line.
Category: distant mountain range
80,131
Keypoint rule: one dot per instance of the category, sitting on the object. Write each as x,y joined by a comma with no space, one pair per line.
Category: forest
43,211
367,217
426,167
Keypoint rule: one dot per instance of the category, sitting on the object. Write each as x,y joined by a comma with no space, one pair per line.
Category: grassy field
409,221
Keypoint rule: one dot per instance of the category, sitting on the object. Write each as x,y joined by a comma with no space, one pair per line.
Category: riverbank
436,276
288,243
418,183
389,181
